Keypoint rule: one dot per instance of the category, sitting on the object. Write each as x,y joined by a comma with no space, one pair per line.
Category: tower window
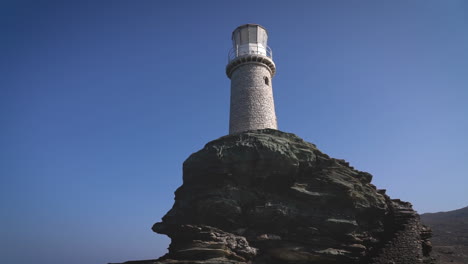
267,81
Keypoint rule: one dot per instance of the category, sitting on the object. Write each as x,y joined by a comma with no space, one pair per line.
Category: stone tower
251,68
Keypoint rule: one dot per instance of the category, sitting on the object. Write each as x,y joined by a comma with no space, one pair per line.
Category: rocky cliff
266,196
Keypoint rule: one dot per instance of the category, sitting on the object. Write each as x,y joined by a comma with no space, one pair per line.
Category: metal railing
235,52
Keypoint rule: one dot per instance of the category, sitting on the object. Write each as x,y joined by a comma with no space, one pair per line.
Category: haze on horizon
102,101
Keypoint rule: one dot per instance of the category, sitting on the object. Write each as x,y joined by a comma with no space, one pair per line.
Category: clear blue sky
102,101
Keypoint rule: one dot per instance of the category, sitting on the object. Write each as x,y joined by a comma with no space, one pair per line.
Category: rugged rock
266,196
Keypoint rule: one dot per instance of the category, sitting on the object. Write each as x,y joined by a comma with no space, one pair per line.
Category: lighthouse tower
251,68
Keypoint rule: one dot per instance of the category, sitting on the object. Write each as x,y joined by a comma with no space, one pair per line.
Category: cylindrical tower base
252,105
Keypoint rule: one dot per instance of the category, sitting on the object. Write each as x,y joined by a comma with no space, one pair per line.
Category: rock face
266,196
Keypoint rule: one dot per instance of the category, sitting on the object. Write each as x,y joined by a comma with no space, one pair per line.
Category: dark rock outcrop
266,196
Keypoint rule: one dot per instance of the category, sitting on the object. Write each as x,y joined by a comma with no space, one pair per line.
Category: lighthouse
251,69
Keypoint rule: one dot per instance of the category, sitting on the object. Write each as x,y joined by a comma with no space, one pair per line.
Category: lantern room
249,39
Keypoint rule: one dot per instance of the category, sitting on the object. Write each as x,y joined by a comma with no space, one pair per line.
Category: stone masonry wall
407,242
252,105
404,248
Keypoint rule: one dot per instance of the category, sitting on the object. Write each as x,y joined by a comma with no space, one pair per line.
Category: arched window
267,81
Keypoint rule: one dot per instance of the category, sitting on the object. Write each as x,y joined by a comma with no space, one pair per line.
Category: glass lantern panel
236,39
262,37
244,36
253,34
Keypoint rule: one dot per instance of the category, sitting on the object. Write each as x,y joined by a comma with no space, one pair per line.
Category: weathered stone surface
266,196
252,103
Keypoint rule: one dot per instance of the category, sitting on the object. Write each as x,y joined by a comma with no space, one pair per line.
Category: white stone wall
252,105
